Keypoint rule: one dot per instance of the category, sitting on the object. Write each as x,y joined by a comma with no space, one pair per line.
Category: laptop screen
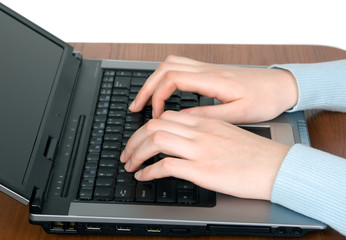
28,66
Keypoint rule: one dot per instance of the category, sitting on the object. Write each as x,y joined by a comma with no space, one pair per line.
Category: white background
319,22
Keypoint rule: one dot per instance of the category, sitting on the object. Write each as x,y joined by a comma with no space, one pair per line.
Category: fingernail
132,105
127,165
138,174
122,156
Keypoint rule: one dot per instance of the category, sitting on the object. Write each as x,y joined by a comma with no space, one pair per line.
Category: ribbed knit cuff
313,183
321,85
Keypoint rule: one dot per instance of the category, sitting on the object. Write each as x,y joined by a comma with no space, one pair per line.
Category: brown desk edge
327,129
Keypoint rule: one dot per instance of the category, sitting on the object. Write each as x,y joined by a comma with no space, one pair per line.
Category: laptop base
168,230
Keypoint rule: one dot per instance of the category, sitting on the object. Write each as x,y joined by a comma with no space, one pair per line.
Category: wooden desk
327,129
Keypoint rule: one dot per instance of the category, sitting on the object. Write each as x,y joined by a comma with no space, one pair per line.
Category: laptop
64,121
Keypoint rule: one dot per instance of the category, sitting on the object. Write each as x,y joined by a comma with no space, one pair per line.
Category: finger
185,169
159,142
171,121
167,167
201,83
233,112
151,83
181,125
182,118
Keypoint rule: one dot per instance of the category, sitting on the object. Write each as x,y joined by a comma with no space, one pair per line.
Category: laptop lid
37,75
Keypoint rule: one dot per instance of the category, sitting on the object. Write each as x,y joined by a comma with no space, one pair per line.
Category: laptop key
124,192
188,96
111,145
117,113
105,182
110,154
124,73
122,82
166,191
188,104
120,99
138,81
99,125
100,118
96,140
134,117
172,106
89,173
128,133
118,106
91,165
140,74
126,179
112,137
132,126
109,73
145,192
104,193
114,129
107,172
185,185
88,183
94,148
111,163
120,92
187,197
93,157
115,121
85,194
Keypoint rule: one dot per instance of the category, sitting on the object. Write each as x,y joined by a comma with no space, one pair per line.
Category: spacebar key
166,191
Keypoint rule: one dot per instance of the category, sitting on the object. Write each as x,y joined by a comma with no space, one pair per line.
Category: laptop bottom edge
95,228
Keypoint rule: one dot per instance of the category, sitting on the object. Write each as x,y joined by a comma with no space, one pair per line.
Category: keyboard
104,177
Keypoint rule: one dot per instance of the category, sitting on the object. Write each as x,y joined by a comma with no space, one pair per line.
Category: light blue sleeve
320,85
310,181
313,183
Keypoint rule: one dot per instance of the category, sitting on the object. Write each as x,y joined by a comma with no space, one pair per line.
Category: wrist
288,84
279,156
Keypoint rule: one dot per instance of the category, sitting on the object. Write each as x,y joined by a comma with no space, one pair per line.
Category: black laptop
65,120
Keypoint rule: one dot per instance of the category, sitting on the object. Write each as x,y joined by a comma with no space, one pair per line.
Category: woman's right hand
211,153
247,94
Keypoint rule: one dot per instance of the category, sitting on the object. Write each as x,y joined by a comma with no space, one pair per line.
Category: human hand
247,94
211,153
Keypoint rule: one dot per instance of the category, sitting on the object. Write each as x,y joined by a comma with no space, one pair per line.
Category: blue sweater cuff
320,85
313,183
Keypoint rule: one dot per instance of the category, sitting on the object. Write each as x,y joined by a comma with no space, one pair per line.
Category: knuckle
164,66
158,137
146,173
135,157
152,125
166,114
171,58
144,91
166,165
171,75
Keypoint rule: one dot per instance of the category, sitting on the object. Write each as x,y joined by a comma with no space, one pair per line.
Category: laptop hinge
78,55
